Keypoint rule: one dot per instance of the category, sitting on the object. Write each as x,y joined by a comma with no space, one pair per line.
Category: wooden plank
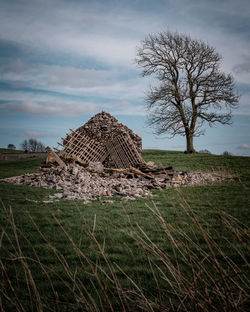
55,157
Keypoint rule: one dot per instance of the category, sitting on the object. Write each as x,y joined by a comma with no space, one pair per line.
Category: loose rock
77,182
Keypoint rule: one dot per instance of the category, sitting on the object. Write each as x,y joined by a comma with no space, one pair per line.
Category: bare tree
191,89
40,147
32,145
226,153
25,145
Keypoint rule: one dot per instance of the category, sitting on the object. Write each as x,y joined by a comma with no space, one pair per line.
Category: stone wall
13,156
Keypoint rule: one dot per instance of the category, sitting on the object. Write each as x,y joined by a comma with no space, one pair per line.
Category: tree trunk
190,146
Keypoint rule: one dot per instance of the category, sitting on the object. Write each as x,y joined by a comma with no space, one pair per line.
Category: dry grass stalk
191,277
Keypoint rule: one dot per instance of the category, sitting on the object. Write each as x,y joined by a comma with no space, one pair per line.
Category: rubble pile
74,181
104,127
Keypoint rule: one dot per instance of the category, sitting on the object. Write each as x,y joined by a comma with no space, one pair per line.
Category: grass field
185,249
9,151
11,168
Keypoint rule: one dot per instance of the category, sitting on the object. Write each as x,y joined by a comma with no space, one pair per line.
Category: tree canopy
191,89
11,146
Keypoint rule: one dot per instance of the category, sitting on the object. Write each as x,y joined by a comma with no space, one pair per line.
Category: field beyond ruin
183,249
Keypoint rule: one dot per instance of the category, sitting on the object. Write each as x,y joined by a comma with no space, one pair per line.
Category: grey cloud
8,133
16,66
243,67
10,49
105,33
35,134
229,15
108,34
244,146
4,133
19,73
79,29
70,109
71,81
77,78
55,108
244,107
130,110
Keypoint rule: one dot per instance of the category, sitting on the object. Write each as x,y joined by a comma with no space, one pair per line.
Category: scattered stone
95,167
58,195
95,181
31,200
127,198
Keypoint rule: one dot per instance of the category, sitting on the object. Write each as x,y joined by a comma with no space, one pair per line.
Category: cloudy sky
63,61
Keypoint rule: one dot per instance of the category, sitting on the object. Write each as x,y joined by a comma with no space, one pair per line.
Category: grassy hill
185,249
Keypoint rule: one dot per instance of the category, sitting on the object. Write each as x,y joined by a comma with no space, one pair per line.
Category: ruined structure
103,139
102,159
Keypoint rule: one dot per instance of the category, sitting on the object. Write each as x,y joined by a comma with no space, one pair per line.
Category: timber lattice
120,148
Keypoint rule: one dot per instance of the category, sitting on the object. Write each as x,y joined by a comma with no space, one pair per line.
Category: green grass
139,261
10,168
199,162
9,151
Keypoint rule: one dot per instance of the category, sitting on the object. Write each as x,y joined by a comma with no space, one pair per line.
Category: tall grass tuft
198,272
200,276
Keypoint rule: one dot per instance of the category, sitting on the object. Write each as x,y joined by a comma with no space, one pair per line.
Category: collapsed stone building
113,165
103,139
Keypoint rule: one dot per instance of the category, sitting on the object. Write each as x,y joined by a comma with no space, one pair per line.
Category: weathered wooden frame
120,148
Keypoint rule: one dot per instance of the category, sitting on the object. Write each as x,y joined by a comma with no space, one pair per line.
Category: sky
63,61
